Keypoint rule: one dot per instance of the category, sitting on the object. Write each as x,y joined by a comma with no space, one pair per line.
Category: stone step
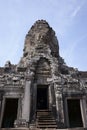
14,129
47,123
43,113
50,115
42,129
47,126
45,119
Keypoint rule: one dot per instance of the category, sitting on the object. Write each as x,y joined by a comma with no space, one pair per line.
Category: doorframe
3,108
2,111
82,109
43,86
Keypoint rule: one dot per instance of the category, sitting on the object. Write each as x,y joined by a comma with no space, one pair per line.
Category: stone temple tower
40,58
41,91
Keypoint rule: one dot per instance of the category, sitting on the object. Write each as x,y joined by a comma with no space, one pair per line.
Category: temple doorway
10,113
74,113
42,97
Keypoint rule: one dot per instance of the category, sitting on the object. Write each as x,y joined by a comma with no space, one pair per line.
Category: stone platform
42,129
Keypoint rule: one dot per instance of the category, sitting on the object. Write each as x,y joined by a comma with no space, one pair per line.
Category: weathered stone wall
41,64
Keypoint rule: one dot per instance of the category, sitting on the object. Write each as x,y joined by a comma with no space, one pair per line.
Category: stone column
59,105
27,97
83,111
1,98
53,100
66,112
0,108
50,97
34,103
24,121
0,104
26,105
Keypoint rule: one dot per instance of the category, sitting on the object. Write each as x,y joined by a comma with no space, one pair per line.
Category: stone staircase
42,129
45,119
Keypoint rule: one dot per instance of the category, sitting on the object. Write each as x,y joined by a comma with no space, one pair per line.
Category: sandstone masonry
41,87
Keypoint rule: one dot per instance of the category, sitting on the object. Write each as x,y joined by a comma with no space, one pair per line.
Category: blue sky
67,17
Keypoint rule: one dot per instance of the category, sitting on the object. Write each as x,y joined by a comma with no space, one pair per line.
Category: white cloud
76,8
69,53
76,11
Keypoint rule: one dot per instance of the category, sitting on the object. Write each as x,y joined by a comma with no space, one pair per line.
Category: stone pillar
0,104
1,98
27,98
34,102
0,108
83,111
50,97
66,112
59,105
24,121
26,105
53,100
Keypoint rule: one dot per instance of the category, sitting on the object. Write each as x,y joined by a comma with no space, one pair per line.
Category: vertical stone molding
1,98
83,112
60,112
0,107
26,105
0,102
59,102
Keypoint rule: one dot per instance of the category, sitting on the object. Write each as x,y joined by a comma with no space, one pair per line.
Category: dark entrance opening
42,97
10,113
74,113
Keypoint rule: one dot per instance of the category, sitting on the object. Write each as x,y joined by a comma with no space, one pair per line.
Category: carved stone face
41,36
